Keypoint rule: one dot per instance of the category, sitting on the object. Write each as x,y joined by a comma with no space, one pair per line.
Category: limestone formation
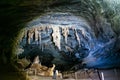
56,37
36,34
65,32
37,69
77,37
36,60
67,38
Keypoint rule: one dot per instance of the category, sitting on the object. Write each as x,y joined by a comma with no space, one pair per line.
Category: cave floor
50,78
109,74
9,73
42,78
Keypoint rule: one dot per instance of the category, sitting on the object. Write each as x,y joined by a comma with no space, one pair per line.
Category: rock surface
66,36
68,39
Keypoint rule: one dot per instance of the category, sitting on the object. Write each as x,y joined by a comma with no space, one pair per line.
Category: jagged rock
36,60
38,69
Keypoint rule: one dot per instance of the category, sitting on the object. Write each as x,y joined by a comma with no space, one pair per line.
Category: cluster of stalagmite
44,34
40,69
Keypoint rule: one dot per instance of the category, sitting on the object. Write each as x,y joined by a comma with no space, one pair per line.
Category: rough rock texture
68,39
38,69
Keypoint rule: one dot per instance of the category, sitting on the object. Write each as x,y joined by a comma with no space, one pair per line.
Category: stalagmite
36,60
56,37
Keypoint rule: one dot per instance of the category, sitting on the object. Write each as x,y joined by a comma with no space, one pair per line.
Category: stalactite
31,35
42,47
56,37
39,39
65,32
69,48
36,34
77,36
47,29
28,37
83,33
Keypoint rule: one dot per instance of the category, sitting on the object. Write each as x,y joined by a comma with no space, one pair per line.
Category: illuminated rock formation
38,69
56,37
65,32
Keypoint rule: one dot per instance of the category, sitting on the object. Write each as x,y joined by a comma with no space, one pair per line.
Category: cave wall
63,35
70,39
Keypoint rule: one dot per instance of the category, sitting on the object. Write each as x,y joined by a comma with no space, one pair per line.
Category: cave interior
72,34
